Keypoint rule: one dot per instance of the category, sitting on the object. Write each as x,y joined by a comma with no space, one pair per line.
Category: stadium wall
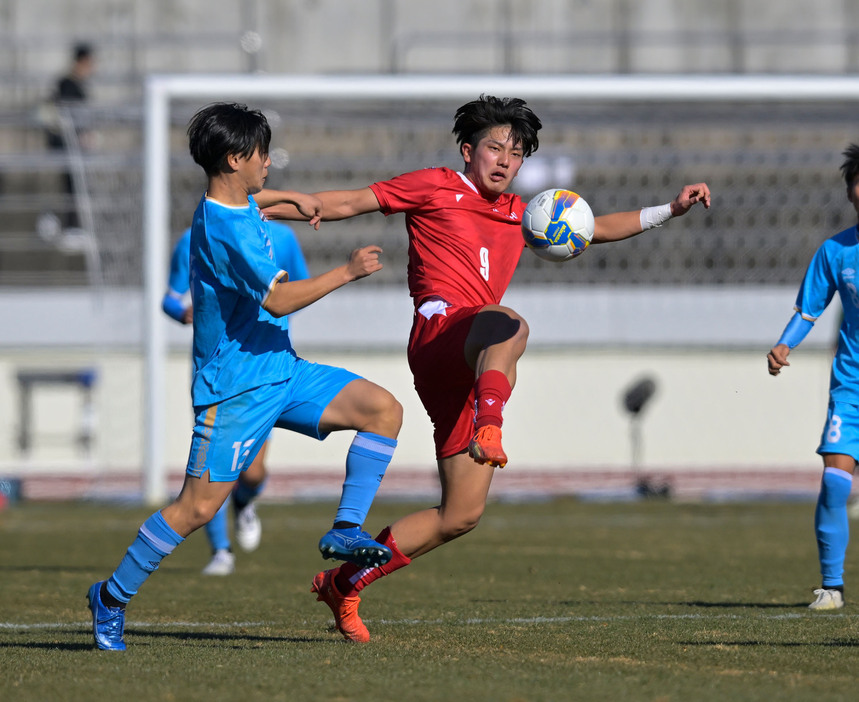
716,411
390,36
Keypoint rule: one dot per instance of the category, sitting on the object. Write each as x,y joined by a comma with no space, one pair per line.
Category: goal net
770,148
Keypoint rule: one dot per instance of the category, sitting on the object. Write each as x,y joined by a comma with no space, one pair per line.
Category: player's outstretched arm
303,206
623,225
288,297
335,205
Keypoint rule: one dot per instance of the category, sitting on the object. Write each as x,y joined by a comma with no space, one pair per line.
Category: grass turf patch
544,601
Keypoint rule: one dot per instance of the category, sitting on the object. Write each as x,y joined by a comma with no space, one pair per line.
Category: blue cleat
108,623
355,546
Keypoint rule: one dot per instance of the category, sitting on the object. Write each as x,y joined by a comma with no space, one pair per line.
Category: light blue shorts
227,436
841,433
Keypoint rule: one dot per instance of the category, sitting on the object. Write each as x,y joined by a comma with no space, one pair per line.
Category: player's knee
201,513
457,529
387,415
460,524
523,332
518,331
395,412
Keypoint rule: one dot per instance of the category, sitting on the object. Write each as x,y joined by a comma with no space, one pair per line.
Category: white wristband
651,217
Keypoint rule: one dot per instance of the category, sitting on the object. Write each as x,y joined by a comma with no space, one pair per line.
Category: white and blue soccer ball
558,225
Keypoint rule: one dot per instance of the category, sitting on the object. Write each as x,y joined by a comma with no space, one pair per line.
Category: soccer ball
558,225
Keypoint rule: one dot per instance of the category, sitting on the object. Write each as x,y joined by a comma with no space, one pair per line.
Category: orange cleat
485,446
345,609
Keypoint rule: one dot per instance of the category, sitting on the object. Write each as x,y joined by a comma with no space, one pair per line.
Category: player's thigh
493,325
840,434
359,403
312,389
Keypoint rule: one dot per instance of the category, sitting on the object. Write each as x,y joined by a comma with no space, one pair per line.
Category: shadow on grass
49,646
78,568
53,568
743,605
693,603
835,643
151,633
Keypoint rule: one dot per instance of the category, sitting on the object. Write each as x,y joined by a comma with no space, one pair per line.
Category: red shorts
443,380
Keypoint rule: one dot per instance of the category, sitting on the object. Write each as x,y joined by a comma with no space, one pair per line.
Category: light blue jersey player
177,304
833,269
247,377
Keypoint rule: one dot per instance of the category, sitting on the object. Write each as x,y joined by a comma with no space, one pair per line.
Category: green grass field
546,601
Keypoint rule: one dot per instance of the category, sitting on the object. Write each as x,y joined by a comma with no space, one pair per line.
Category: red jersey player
464,245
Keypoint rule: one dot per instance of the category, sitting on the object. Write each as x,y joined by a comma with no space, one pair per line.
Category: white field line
434,622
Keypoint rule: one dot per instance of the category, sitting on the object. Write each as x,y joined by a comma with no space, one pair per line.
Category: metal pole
156,224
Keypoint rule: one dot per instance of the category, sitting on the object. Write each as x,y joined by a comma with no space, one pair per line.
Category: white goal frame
161,90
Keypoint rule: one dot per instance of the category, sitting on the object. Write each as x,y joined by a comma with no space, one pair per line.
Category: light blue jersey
237,344
287,255
835,267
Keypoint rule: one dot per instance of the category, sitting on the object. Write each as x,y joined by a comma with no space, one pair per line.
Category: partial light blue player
247,376
177,304
834,268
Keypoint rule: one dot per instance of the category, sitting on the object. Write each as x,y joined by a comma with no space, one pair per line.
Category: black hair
850,167
82,51
224,129
474,119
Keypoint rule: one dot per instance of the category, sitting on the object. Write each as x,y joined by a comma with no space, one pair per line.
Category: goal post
162,90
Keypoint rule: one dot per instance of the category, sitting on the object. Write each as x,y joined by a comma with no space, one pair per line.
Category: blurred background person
72,88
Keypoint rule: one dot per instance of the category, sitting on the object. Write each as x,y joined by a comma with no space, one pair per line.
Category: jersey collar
467,181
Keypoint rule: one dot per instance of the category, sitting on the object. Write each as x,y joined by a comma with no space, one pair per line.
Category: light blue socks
366,463
831,525
154,541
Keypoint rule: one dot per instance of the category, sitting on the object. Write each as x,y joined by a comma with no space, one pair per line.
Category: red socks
491,392
351,579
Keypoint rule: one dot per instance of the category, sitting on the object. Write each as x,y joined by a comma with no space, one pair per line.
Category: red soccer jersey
462,248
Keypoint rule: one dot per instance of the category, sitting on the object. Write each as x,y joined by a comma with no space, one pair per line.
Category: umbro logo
490,401
459,197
